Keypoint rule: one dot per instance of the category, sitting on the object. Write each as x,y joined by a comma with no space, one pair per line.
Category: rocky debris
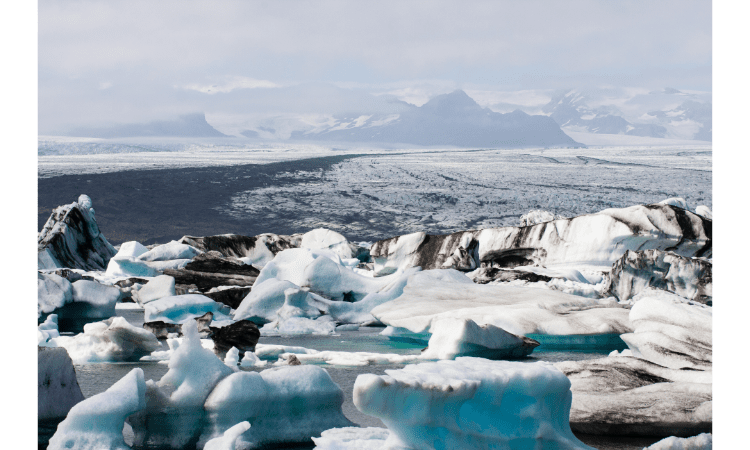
638,270
292,360
485,275
162,329
71,239
621,395
242,334
258,247
593,241
231,296
212,269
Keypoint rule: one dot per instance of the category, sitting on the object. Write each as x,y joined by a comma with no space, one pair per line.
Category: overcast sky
119,61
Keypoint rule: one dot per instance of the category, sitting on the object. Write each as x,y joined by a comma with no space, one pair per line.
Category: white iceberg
180,308
170,251
436,294
471,403
112,340
324,239
703,441
352,438
463,337
671,332
97,422
53,292
228,440
283,405
47,329
158,287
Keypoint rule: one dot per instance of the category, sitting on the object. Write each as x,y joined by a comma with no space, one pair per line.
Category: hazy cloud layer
103,62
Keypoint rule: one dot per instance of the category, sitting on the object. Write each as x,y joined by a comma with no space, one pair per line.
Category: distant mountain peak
451,103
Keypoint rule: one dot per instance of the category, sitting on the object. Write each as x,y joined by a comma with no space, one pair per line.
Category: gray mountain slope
453,119
190,125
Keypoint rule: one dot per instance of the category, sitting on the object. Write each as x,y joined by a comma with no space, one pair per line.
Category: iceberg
670,331
158,287
97,422
180,308
170,251
463,337
352,438
637,270
592,242
283,405
113,340
622,395
256,250
71,238
703,441
324,239
471,403
53,292
436,294
58,389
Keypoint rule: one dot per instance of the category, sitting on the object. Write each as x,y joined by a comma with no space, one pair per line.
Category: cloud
231,83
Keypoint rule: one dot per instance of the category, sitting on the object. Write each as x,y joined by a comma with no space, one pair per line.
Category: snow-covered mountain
449,119
666,113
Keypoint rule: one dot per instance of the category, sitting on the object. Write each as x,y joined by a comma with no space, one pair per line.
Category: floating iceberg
471,403
158,287
170,251
111,340
53,292
71,238
592,241
180,308
58,389
436,294
703,441
463,337
128,263
635,271
256,250
97,422
283,405
352,438
48,329
621,395
322,238
670,331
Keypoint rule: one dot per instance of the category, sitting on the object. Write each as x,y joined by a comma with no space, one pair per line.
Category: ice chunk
590,242
463,337
158,287
284,405
58,389
180,308
299,325
703,441
517,310
675,201
688,277
97,422
251,360
537,216
471,403
71,238
290,265
172,250
704,211
322,238
352,438
671,332
265,299
621,395
107,341
174,414
232,359
228,439
53,291
48,329
101,297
